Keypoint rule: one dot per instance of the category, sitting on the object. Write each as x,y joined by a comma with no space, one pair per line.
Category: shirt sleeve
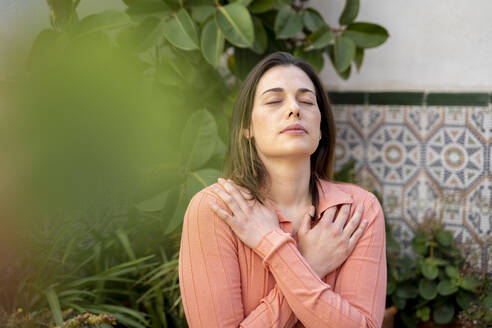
209,275
358,300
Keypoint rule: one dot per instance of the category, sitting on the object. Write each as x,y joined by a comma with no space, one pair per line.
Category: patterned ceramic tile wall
427,155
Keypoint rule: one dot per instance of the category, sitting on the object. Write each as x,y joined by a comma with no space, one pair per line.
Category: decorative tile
422,198
454,157
366,120
424,120
431,160
393,153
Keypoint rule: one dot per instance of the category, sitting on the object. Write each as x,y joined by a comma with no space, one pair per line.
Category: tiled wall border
411,98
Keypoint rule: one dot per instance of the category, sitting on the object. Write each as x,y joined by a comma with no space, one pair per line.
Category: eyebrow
300,90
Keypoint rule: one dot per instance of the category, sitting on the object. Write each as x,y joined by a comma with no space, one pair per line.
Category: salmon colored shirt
224,283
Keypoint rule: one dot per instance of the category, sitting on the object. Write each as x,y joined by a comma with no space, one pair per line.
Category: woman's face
285,95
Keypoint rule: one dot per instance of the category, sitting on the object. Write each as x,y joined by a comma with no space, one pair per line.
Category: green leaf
54,304
359,56
245,3
198,140
149,32
465,299
181,31
107,19
201,13
349,12
261,6
314,58
125,242
366,35
154,203
452,272
200,179
244,60
312,19
158,9
212,43
470,283
399,302
287,23
176,219
344,52
487,301
443,314
261,40
424,313
429,269
235,21
321,37
446,287
428,289
406,291
445,238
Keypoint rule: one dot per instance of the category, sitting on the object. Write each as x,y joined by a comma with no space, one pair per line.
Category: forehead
290,78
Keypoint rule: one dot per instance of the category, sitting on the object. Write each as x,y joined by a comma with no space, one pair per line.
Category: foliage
102,93
435,284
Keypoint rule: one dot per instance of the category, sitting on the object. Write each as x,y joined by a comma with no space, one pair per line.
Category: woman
278,243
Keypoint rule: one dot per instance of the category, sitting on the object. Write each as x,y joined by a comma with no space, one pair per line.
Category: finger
327,217
306,221
354,221
247,194
224,215
357,234
342,216
236,195
228,199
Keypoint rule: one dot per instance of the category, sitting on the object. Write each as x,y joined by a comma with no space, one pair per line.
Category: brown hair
242,163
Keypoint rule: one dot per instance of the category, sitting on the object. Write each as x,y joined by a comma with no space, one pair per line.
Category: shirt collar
330,194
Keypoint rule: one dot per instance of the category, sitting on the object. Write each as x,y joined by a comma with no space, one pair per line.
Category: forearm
313,301
273,311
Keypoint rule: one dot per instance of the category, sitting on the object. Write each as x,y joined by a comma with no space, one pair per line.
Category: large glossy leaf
261,40
156,8
261,6
443,314
149,32
201,13
312,19
175,219
198,140
446,287
212,43
349,12
313,57
464,299
427,289
234,20
321,37
366,35
104,20
344,52
287,23
407,291
330,49
181,31
359,57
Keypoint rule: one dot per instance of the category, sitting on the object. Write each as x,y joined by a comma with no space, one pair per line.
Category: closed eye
274,102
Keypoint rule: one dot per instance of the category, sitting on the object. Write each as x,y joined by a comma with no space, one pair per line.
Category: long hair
242,163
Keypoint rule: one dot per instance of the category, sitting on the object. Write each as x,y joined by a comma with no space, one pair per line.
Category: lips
295,126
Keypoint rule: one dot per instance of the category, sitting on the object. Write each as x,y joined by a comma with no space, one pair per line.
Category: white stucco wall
433,45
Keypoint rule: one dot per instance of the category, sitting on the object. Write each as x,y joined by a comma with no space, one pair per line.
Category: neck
288,182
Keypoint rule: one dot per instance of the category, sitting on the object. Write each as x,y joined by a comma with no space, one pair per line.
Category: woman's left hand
251,220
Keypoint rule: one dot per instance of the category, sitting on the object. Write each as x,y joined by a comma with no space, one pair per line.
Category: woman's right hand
328,244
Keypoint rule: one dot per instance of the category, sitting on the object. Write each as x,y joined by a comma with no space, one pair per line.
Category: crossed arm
211,287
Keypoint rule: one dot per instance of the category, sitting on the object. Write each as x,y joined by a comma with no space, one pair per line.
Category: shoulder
358,193
200,200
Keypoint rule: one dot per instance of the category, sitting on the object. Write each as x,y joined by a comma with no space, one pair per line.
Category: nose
294,108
